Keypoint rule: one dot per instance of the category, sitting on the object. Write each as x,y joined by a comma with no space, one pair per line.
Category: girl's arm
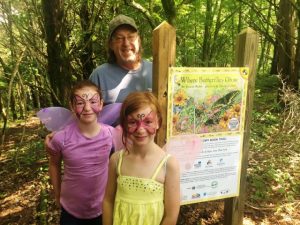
110,192
55,175
172,193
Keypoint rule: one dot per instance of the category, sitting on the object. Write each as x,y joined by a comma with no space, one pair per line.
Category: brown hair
83,84
134,102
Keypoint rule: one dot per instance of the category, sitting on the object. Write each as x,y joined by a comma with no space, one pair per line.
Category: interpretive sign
206,110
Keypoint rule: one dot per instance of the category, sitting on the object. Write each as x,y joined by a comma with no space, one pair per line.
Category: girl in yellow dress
143,180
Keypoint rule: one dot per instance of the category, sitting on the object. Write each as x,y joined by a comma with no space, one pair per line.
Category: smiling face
140,118
87,104
125,43
142,125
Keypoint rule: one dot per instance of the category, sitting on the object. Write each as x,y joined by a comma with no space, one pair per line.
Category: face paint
148,122
81,102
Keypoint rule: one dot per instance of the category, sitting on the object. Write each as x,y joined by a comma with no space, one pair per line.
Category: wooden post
245,55
164,53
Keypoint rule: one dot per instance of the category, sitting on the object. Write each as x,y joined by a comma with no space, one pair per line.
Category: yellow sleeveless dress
139,201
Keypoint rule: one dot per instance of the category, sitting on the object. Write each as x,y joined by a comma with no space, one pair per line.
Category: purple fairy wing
117,137
110,113
55,118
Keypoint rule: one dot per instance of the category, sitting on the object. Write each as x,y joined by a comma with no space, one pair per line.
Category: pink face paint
148,122
81,102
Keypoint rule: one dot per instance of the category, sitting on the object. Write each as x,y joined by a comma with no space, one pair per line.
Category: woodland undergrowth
274,161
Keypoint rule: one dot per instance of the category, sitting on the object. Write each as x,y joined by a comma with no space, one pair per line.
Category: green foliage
274,154
26,154
3,85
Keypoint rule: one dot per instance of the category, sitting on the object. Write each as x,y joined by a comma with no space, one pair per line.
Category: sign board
205,124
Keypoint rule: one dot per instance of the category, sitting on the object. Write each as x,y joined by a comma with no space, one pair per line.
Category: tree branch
143,10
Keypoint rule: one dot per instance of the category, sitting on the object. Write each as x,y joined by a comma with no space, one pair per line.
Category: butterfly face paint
80,102
148,122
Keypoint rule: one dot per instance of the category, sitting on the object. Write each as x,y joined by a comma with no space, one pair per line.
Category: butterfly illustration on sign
219,108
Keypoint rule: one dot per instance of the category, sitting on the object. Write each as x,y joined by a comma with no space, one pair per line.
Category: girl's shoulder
116,155
68,128
58,141
171,160
107,127
172,165
62,135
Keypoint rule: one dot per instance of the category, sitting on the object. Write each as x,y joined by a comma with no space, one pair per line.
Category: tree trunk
170,11
240,20
59,68
207,33
13,105
86,43
4,117
274,63
297,57
12,48
264,45
285,37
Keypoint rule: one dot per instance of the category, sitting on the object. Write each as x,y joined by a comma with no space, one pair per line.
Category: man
125,71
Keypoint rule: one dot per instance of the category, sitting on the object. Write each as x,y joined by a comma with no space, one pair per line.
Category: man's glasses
120,38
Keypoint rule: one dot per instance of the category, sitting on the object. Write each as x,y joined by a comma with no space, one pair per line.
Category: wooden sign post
164,54
245,55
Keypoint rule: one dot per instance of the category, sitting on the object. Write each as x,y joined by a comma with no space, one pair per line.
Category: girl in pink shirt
84,148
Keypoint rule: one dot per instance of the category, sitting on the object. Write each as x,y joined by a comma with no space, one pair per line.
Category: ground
25,196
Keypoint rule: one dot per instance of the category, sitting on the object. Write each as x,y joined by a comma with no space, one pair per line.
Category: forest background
47,45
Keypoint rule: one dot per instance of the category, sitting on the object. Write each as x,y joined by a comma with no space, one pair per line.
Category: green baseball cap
121,20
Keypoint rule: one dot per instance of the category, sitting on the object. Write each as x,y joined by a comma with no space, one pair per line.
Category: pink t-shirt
85,169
